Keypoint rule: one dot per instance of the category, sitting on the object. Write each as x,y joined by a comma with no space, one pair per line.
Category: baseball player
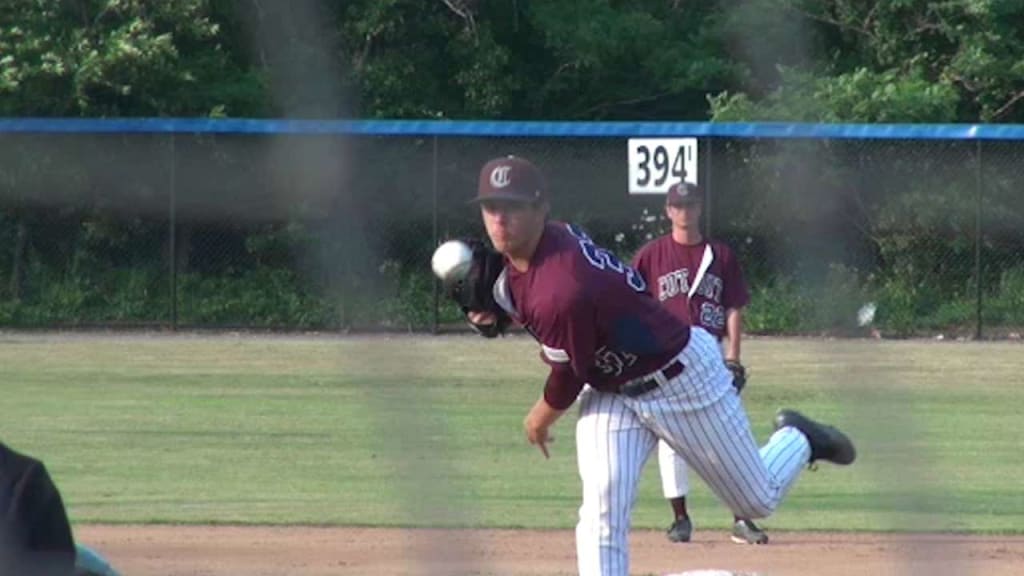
701,283
640,375
35,536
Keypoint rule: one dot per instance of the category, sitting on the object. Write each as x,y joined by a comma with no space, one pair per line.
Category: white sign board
657,163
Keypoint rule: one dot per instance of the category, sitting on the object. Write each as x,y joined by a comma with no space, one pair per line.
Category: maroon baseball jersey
670,267
592,315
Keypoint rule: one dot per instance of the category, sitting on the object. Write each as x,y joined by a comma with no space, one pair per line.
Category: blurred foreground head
35,537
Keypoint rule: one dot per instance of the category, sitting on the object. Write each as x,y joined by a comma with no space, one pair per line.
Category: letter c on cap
499,176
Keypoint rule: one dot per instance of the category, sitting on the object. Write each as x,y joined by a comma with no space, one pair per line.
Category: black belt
641,386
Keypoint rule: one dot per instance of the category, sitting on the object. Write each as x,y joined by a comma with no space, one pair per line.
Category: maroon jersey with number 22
670,268
592,315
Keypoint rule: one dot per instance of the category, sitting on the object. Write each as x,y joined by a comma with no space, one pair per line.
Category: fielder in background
641,375
700,282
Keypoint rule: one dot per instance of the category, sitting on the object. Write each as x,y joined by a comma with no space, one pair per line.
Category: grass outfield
427,431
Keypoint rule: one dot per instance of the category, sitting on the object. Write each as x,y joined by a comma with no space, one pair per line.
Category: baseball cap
684,194
510,178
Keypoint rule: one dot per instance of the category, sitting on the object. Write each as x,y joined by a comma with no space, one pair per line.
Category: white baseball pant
701,417
675,480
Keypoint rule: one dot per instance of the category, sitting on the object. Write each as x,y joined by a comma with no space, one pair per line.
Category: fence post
433,186
172,233
977,237
707,186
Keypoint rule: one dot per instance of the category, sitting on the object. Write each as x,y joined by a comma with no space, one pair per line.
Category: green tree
886,61
536,59
120,58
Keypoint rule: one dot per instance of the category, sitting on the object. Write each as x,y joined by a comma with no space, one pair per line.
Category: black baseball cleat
746,532
827,442
680,530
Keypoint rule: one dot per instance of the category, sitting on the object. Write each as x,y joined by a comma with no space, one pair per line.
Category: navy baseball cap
510,178
684,194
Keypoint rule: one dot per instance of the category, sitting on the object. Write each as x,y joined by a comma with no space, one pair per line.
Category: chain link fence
335,232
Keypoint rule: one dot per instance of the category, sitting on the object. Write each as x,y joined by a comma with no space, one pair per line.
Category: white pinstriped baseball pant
675,477
699,414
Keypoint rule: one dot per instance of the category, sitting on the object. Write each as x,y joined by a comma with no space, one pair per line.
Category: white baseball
451,260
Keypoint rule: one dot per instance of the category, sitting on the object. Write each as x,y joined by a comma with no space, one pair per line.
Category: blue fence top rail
511,128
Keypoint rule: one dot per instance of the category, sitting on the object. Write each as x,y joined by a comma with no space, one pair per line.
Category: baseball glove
739,374
474,292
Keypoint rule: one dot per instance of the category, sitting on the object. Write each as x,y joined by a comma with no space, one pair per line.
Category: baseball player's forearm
538,421
733,333
542,415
